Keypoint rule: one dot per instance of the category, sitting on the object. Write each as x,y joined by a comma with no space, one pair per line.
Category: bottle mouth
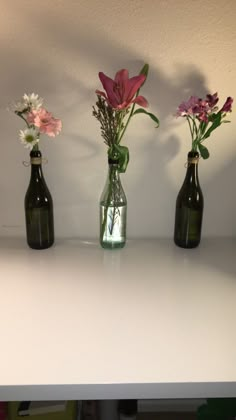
113,161
193,154
193,158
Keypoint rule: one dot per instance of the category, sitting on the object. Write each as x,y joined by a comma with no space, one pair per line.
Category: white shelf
149,321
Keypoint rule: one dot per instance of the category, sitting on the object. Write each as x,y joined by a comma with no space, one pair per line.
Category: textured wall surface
56,48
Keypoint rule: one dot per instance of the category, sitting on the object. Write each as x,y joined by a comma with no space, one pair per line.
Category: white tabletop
148,321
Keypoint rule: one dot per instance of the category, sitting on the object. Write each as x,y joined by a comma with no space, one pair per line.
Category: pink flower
119,93
212,99
188,107
44,120
203,116
197,107
227,107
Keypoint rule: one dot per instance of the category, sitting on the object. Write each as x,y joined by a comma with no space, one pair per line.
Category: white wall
57,47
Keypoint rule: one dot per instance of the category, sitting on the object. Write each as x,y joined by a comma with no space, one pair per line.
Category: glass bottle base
40,246
186,245
112,245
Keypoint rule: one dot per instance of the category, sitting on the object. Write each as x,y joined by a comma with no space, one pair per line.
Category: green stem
194,133
118,139
23,118
104,222
195,127
191,130
127,122
113,220
111,192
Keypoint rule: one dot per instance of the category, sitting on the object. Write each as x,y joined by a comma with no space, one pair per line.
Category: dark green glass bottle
189,207
38,207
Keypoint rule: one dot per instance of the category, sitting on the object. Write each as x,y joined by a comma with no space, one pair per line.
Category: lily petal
140,100
121,84
122,76
133,86
109,86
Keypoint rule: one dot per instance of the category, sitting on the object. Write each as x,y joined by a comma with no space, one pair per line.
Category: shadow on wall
62,67
220,197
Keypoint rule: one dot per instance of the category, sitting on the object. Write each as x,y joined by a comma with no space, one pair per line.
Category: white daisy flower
27,103
29,137
33,101
19,106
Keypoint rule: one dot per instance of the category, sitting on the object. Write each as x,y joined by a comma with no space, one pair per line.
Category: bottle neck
113,173
36,165
192,168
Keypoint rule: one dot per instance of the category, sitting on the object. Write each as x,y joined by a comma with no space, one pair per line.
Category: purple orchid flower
227,107
203,116
212,99
188,107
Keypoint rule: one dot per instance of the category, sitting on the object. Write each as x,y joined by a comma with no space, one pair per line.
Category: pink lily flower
119,93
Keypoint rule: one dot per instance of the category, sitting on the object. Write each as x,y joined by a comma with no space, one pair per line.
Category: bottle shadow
219,210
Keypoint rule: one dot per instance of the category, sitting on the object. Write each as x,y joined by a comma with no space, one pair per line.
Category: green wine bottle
38,207
189,207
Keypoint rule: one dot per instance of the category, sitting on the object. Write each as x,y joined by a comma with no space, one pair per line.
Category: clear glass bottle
189,207
38,207
113,210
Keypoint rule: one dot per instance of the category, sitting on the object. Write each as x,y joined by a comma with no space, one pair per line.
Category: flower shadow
67,78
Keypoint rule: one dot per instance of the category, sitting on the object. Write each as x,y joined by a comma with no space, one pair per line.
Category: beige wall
57,47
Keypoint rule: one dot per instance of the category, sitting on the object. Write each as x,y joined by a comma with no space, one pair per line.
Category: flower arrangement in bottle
114,109
203,117
38,200
37,119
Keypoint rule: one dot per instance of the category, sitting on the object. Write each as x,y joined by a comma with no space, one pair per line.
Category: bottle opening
193,158
113,161
193,154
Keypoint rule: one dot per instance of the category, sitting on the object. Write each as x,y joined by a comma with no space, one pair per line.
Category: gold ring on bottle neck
193,161
36,161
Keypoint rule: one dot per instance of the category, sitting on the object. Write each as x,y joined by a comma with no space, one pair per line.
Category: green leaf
215,124
152,116
212,117
122,154
203,151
